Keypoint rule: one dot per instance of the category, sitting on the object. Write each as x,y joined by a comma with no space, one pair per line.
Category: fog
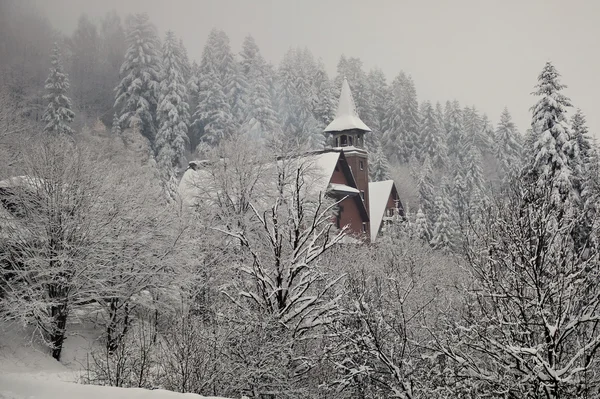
482,53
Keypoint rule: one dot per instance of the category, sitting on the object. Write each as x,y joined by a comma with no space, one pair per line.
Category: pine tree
432,139
377,96
259,118
459,195
393,119
474,180
173,113
402,135
553,165
442,237
426,190
58,113
455,136
421,227
218,90
379,167
116,126
296,99
137,93
325,101
507,146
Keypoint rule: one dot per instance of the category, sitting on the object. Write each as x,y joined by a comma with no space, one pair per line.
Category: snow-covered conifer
421,226
379,167
442,236
137,93
173,113
58,112
507,145
426,190
432,139
552,164
259,117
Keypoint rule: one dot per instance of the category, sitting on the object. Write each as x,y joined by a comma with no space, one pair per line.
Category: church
365,207
380,200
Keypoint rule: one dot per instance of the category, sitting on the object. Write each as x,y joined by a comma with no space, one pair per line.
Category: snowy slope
14,386
27,371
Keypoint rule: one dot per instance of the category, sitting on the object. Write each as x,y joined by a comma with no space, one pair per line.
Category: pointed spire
346,117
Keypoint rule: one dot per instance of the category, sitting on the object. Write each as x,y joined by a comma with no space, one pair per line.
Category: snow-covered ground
27,371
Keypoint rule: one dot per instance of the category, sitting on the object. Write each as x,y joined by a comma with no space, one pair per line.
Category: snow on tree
531,309
474,180
507,145
432,139
459,195
402,135
58,113
377,95
421,226
473,129
379,167
80,215
325,101
443,233
218,91
455,135
553,164
260,119
426,190
116,126
296,99
172,114
137,93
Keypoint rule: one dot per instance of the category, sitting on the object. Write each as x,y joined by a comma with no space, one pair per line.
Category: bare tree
81,229
530,326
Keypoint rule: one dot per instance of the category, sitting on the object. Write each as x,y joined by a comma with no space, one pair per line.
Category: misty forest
481,282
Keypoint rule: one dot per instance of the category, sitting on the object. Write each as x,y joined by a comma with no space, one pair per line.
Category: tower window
361,165
349,140
343,140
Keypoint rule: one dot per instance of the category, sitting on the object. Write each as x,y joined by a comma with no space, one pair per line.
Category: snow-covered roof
346,117
379,193
342,188
198,184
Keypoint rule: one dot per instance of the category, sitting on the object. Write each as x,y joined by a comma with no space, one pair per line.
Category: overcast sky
483,53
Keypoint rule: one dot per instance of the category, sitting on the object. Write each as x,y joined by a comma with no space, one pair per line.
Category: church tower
346,133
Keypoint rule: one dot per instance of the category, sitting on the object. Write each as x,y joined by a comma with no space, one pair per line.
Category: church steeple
347,129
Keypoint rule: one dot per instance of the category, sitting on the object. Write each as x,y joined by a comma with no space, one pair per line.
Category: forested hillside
488,288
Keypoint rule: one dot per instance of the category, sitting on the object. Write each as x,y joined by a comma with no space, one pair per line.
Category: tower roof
346,117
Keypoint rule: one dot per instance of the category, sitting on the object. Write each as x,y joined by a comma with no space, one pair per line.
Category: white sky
486,53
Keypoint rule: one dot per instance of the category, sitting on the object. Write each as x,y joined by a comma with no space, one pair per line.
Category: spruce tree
259,117
137,93
217,90
421,227
296,99
116,126
58,113
474,180
455,136
393,119
379,167
173,113
552,166
432,139
377,96
324,101
507,145
442,236
426,190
